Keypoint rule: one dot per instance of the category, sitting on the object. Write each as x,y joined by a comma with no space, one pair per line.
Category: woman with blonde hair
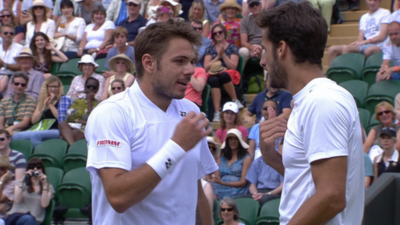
8,17
384,113
198,12
39,22
51,105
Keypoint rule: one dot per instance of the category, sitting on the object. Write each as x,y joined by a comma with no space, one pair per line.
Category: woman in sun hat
230,9
230,119
39,11
122,65
230,179
88,67
219,76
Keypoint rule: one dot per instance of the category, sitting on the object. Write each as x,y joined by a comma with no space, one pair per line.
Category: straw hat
216,68
87,59
177,6
25,53
113,60
38,3
230,4
235,133
217,152
5,162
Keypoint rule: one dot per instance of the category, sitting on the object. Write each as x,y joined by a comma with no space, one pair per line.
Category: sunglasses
118,88
94,87
266,108
197,28
3,168
384,112
5,16
38,166
254,4
38,7
226,209
217,32
17,84
132,4
8,33
2,139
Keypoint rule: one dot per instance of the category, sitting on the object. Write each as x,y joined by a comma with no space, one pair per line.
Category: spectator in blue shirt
134,20
281,97
205,42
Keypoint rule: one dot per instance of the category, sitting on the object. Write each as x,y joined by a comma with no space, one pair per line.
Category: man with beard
322,159
147,149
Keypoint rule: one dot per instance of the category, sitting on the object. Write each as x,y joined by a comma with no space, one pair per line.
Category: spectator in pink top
230,119
196,85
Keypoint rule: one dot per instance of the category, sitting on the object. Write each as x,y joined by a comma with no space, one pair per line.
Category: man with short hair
134,20
322,150
17,159
8,50
391,53
147,147
205,42
250,33
25,60
16,111
281,97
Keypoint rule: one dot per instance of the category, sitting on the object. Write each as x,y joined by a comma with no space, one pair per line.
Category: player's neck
299,75
160,101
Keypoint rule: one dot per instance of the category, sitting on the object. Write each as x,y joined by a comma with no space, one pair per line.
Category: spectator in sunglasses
17,159
32,195
229,212
78,112
205,42
122,65
88,67
117,86
384,113
250,33
8,50
7,16
16,111
25,61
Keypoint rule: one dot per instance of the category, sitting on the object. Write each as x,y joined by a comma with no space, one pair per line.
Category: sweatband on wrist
396,69
371,40
166,158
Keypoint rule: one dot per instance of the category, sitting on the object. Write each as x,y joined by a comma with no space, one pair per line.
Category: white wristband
166,158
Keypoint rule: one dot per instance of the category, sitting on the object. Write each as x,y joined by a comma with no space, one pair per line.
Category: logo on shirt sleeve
111,143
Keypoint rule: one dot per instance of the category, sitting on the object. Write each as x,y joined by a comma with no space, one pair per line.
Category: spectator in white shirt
391,53
39,12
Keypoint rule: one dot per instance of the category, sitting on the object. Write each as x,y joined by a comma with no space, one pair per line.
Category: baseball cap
252,1
230,106
388,131
137,2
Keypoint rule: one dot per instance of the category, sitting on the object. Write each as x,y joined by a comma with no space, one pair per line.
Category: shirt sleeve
252,173
51,29
63,106
327,126
218,134
81,30
20,161
101,88
2,108
56,9
49,3
243,27
208,50
387,51
253,133
362,23
286,100
111,146
253,105
109,25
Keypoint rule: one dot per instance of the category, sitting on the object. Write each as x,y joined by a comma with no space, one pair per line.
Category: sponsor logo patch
108,143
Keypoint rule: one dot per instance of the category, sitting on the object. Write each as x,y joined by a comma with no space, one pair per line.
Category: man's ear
282,49
149,63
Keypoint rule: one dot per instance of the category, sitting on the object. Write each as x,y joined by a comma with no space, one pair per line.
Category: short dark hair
119,81
67,4
223,30
94,79
20,74
6,25
99,9
3,131
196,21
301,26
155,38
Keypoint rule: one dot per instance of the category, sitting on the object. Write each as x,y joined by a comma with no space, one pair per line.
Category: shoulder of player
327,94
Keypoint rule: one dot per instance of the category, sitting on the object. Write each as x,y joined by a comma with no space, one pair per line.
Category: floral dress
233,28
230,174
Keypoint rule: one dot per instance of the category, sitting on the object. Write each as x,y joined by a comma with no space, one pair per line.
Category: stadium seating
381,91
101,62
269,213
74,192
248,210
346,67
364,117
66,88
51,152
205,96
54,176
76,156
69,67
372,66
358,89
23,146
49,213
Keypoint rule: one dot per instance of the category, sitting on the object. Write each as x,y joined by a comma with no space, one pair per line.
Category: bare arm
60,57
18,190
252,148
245,9
107,39
329,177
367,181
19,173
13,67
21,125
25,17
381,37
253,189
277,190
244,41
396,5
198,83
370,140
208,61
4,83
231,62
104,95
128,82
203,206
82,44
206,30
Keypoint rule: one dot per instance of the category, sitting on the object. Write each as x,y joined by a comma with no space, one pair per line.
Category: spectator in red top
230,119
195,86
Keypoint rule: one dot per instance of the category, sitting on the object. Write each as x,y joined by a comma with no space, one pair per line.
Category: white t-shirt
395,16
8,56
324,123
95,38
391,52
75,27
137,129
370,24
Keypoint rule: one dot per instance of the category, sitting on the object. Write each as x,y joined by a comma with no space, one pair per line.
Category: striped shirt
25,107
17,159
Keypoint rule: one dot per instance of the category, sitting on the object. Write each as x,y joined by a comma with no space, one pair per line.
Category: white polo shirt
12,51
391,52
324,123
124,132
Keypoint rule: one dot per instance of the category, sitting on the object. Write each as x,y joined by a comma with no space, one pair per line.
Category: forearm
62,57
105,42
238,184
274,159
46,196
277,190
253,189
207,65
21,125
203,206
37,115
231,64
246,44
198,84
